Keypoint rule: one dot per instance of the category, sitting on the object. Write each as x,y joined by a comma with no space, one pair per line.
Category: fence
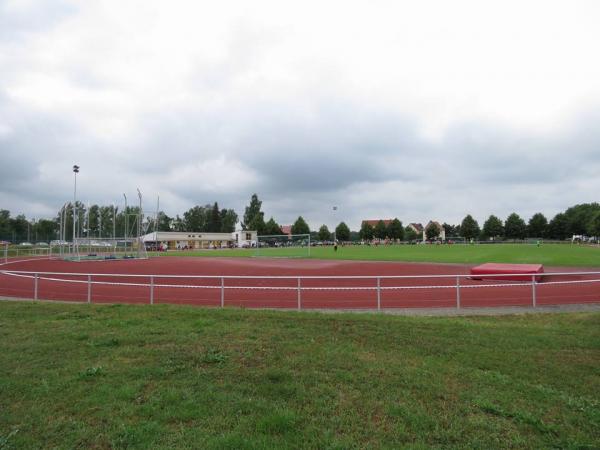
305,292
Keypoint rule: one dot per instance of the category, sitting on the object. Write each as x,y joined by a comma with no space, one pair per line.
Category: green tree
342,232
395,230
410,234
558,228
469,228
324,234
514,227
93,221
228,220
5,228
197,219
380,230
366,231
45,230
253,215
432,231
579,216
449,230
257,224
300,226
593,228
214,219
272,228
178,224
493,228
537,226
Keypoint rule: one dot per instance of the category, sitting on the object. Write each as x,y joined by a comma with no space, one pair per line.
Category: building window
248,236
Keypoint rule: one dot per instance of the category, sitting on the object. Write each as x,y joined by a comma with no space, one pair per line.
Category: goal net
283,246
106,248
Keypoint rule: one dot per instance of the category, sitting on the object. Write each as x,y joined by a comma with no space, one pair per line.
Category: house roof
286,229
417,226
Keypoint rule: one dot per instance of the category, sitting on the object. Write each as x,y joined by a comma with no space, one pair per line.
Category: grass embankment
76,376
547,254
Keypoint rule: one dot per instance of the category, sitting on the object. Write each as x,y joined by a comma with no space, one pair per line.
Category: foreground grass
75,376
548,254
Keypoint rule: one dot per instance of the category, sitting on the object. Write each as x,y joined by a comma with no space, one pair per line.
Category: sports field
91,376
547,254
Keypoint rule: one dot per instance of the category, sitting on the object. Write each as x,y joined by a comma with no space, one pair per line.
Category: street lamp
75,172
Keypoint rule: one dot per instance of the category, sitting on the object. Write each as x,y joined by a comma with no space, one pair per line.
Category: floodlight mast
126,222
334,227
75,172
139,226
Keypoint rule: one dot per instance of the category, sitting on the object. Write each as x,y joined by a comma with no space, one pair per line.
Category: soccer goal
283,246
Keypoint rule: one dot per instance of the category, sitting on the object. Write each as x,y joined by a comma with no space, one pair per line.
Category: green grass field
79,376
547,254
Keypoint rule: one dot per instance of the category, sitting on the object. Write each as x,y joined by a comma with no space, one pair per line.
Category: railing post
533,296
378,294
35,287
222,292
89,286
299,294
152,289
457,292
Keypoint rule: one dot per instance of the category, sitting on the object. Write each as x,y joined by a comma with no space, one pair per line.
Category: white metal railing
92,279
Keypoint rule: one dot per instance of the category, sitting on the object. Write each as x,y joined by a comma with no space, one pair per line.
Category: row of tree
578,220
106,221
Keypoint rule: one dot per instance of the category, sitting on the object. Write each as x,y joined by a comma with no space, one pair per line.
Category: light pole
334,233
139,226
75,172
126,223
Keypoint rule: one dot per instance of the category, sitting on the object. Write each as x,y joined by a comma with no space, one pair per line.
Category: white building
180,240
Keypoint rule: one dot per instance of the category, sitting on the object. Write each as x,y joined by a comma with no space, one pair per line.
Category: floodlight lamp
76,168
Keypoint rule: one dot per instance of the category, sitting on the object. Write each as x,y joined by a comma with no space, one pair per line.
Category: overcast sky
416,110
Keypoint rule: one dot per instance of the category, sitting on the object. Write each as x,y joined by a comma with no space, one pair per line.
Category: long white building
179,240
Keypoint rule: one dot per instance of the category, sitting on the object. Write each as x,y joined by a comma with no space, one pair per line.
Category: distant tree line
98,221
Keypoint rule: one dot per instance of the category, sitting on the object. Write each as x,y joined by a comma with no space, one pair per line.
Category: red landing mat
488,270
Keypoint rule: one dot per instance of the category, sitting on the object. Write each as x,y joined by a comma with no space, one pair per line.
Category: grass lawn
547,254
79,376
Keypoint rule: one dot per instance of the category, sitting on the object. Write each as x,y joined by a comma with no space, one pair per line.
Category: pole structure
378,294
89,289
139,226
533,296
126,223
114,228
75,172
222,292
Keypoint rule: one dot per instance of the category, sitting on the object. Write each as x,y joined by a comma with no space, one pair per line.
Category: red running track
351,293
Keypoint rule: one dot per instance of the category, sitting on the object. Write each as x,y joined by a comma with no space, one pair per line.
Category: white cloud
414,109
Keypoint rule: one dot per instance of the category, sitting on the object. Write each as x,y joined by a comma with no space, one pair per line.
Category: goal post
283,246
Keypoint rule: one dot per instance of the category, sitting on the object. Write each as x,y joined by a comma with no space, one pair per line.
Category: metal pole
89,285
139,226
35,287
299,294
114,228
152,290
533,296
75,172
457,292
378,294
126,223
222,292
